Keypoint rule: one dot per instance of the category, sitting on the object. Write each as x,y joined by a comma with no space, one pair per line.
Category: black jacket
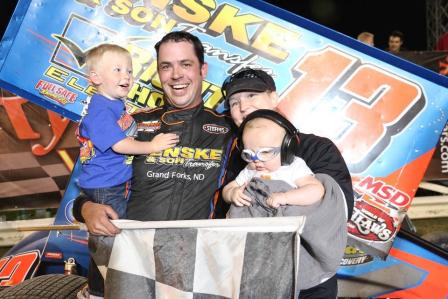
320,154
179,183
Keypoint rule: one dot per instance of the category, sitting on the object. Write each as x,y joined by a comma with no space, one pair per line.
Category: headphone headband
290,141
271,115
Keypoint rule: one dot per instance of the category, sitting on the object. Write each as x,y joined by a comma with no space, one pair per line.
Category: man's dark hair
397,33
180,36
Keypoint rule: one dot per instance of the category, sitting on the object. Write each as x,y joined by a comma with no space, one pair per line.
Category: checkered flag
226,258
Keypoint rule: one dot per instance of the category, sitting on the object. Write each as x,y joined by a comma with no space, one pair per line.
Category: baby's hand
163,141
238,198
276,200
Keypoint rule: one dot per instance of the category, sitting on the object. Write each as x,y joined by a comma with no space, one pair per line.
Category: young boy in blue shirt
104,131
105,138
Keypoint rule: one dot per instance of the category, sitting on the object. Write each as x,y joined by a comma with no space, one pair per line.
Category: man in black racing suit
178,183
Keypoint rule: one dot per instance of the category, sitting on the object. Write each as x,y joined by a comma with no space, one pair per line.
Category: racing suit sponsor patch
215,129
148,126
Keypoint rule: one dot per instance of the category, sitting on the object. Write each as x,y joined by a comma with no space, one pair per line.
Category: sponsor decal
125,121
379,209
180,155
149,126
56,92
215,129
373,224
86,150
53,255
354,256
443,140
382,195
205,158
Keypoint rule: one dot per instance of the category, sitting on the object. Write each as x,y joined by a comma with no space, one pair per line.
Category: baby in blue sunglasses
265,144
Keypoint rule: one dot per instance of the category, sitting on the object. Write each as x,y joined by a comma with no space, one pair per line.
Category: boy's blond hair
364,36
95,54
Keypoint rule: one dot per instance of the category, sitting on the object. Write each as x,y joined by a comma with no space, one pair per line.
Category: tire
52,286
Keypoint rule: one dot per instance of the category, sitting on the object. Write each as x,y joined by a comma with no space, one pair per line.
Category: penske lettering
188,157
246,30
190,153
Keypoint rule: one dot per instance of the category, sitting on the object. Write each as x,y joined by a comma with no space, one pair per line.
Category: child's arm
234,193
310,191
129,146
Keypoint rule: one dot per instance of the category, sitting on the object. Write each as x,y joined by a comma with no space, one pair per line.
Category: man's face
394,43
243,103
112,75
180,74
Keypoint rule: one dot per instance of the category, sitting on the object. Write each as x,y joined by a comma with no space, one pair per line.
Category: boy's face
112,75
180,74
263,133
243,103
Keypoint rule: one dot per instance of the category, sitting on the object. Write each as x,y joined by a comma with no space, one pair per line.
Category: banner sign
37,154
384,113
438,62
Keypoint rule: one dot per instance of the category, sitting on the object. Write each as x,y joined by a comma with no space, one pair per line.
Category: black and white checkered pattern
29,181
233,258
34,166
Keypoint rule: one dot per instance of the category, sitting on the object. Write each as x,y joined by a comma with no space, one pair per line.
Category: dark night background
379,17
346,16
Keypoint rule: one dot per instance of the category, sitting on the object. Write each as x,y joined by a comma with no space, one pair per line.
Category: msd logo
215,129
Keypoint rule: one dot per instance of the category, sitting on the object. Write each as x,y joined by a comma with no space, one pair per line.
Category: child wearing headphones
269,141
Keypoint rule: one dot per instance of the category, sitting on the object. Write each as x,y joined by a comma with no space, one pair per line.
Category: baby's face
263,133
113,75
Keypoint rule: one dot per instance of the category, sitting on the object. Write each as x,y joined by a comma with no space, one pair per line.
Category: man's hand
97,218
